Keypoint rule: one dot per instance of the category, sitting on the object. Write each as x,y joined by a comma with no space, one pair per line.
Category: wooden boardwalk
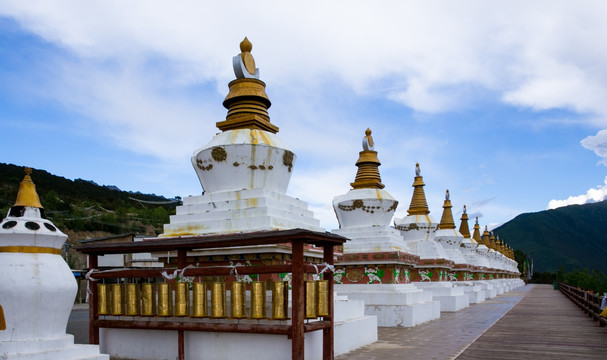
543,325
532,322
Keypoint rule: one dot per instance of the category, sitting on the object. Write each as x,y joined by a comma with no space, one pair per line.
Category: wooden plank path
532,322
543,325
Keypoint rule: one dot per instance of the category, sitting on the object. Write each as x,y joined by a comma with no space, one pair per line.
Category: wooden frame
298,268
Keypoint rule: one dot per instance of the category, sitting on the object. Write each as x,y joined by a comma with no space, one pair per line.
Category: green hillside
83,206
573,236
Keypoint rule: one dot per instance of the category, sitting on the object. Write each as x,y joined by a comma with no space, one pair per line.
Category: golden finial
419,205
245,55
463,227
446,221
367,175
245,45
27,195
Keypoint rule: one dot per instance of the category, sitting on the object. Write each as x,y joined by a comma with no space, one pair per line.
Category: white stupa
419,228
244,170
364,213
37,288
448,236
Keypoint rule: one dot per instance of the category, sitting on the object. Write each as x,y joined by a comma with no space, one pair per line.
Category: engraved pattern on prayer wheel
218,299
311,300
103,306
258,299
132,299
280,300
199,299
148,300
165,300
117,305
323,297
182,303
238,300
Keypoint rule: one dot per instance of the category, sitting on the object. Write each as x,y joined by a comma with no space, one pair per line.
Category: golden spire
498,244
477,232
486,240
247,102
493,244
446,221
463,227
27,195
418,206
367,175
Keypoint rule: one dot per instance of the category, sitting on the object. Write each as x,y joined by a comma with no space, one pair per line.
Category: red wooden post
181,263
328,334
92,286
297,307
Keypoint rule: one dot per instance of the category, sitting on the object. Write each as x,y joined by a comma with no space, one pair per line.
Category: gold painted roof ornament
27,195
446,221
463,227
477,232
418,206
247,101
367,176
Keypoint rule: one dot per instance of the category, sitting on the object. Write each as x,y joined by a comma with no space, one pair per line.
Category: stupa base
62,348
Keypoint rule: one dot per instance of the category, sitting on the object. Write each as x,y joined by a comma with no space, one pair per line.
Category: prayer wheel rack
298,268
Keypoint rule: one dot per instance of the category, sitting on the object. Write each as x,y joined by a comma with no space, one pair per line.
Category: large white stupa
37,288
244,170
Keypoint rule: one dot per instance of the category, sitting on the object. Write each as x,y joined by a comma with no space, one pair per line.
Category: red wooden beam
92,288
297,306
328,333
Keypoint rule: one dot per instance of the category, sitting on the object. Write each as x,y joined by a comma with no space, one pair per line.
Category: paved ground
443,338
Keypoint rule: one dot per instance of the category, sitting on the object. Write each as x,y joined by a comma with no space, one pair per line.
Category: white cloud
598,144
593,195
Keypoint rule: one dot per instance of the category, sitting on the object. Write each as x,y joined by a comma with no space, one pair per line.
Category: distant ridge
573,236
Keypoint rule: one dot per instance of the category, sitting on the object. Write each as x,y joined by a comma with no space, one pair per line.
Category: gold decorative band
30,249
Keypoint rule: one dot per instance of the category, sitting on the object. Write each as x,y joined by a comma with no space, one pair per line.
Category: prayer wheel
103,306
323,297
280,300
165,300
238,300
199,301
218,300
311,300
258,299
148,300
182,301
132,300
117,305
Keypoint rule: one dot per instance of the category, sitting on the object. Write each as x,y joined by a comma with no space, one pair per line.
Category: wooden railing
298,268
587,302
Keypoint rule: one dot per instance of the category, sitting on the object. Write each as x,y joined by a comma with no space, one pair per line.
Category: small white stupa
244,170
419,229
449,237
365,212
37,288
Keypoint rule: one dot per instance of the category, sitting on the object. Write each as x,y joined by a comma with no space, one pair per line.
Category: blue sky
504,104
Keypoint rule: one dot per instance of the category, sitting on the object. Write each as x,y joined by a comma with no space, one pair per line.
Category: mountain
574,236
83,209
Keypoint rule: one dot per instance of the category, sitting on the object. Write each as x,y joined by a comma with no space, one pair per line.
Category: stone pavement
443,338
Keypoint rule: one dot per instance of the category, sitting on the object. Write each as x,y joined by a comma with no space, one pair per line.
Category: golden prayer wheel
132,299
148,300
218,299
280,300
323,297
311,300
117,306
102,299
182,303
199,301
238,300
258,299
165,300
